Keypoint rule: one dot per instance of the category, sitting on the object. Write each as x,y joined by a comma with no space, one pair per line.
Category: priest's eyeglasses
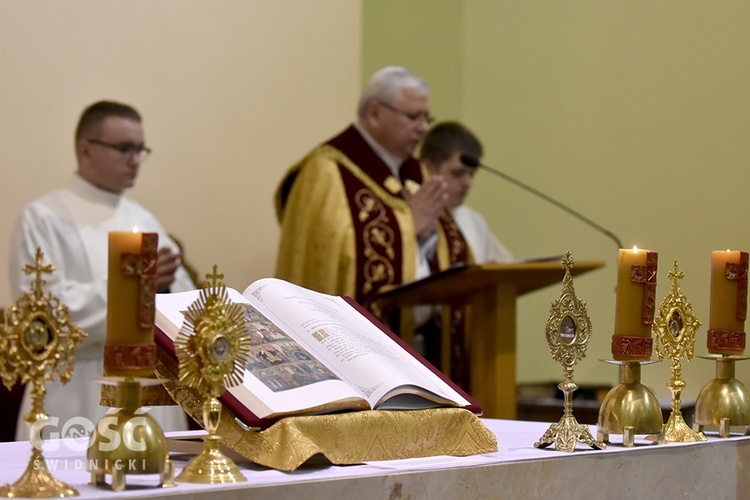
126,150
415,117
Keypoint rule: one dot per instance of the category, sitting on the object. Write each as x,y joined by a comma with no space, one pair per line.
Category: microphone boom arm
470,161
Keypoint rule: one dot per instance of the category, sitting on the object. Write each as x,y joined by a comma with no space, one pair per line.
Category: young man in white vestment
71,226
441,154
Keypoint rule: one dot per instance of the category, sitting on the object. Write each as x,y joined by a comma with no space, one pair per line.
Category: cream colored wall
636,113
232,93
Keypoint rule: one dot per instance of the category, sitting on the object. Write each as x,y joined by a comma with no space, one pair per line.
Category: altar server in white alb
441,154
71,226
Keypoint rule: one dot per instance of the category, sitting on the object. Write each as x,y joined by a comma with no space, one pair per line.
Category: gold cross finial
567,264
38,269
675,275
567,261
214,279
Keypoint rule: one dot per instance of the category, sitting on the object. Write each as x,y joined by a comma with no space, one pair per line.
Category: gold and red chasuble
346,229
379,239
345,226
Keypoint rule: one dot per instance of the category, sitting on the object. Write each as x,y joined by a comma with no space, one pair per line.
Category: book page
281,377
358,351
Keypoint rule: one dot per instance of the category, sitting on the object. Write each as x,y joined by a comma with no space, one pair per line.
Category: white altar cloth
719,467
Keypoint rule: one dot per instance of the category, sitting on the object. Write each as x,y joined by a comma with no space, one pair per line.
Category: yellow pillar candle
130,348
728,311
635,304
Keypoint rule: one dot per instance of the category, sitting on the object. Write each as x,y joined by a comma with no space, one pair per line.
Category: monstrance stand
674,329
568,333
38,342
213,348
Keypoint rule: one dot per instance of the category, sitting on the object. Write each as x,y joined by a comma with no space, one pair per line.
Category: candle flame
728,250
635,248
135,229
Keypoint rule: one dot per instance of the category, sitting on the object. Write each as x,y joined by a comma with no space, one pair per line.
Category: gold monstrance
38,342
568,333
213,347
674,329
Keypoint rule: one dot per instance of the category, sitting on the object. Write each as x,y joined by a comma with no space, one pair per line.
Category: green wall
634,113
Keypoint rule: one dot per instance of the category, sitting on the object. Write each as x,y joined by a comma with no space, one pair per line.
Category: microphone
472,162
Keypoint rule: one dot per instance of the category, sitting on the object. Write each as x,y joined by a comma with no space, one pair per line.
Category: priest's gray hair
387,84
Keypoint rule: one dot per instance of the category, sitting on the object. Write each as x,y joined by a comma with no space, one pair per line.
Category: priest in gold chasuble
358,213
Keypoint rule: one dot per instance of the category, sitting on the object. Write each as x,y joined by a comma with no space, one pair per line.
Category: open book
316,353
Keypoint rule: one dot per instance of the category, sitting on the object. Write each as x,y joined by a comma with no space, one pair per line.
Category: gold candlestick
568,333
630,407
38,342
127,439
213,347
674,330
725,401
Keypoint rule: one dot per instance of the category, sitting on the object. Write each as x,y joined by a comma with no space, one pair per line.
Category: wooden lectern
488,292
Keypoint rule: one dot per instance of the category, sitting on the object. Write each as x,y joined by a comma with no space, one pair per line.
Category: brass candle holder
127,439
212,347
568,332
674,330
630,408
725,401
38,342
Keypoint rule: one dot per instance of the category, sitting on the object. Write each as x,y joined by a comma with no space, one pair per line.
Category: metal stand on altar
725,401
212,347
37,342
568,333
128,440
631,408
674,329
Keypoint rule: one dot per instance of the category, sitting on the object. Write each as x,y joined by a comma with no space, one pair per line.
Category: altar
719,468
